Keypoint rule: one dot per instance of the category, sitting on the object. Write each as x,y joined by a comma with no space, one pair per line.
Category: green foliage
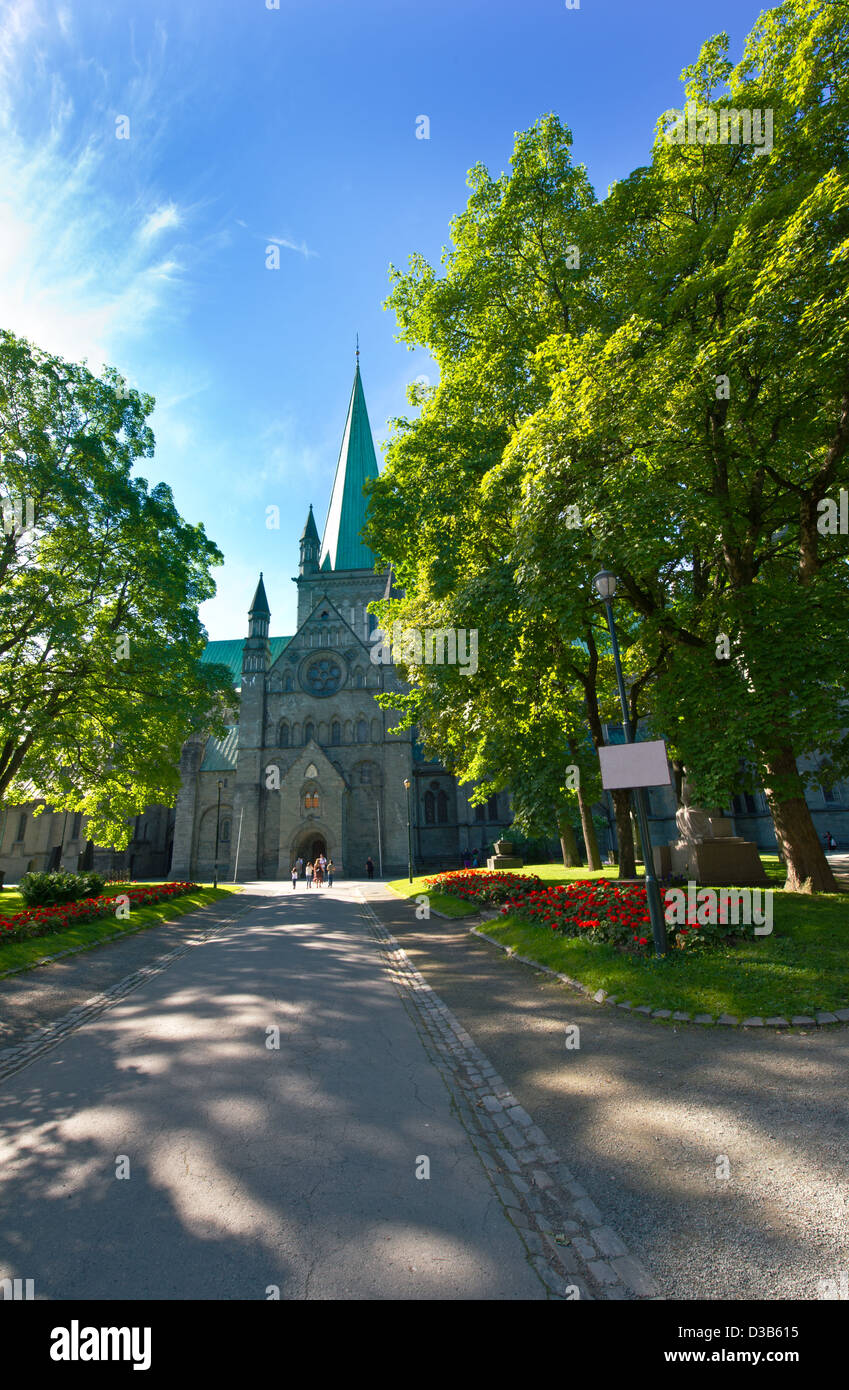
100,639
46,889
685,396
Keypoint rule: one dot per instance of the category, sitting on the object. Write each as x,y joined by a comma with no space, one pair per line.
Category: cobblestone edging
600,996
13,1059
574,1253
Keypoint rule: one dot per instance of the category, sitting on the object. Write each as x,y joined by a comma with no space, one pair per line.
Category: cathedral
311,765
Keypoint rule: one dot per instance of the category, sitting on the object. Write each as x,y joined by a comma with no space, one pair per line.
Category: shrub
482,885
46,889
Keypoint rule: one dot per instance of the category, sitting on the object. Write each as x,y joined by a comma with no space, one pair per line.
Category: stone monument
503,858
707,851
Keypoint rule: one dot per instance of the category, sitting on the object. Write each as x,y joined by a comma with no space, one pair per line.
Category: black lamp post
217,833
605,585
407,785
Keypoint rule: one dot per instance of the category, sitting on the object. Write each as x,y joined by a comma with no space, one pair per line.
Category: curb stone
544,1196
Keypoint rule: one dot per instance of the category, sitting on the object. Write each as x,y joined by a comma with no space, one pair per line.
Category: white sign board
634,765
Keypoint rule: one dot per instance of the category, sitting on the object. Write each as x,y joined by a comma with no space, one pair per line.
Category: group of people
471,859
317,872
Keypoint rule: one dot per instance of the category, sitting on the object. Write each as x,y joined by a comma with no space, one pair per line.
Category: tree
701,435
514,276
100,639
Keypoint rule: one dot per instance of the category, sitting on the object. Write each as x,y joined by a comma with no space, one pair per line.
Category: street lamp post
217,833
605,585
407,785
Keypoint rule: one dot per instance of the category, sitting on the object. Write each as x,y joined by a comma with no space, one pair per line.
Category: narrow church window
225,830
283,740
335,732
492,807
362,731
442,808
359,680
22,825
309,732
288,686
429,808
76,825
365,773
479,813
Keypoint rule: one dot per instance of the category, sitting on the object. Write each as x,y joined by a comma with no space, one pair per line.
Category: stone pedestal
709,853
503,861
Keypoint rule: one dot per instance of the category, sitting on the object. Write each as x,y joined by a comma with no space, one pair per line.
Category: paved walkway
644,1114
291,1167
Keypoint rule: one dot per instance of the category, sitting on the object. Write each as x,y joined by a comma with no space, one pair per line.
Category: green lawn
16,955
802,967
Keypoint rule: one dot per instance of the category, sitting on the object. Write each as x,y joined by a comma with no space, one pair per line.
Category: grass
801,968
20,955
439,902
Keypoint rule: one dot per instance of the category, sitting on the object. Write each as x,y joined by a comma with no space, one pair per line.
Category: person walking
370,867
330,873
294,877
309,875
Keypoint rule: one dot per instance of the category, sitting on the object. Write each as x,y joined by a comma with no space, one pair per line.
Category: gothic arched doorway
309,846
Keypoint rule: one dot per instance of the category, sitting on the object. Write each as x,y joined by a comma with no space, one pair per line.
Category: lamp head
407,783
605,584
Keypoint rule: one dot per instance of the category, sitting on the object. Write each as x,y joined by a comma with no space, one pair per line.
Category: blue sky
297,124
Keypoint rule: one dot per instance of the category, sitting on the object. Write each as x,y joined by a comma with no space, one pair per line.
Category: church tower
256,659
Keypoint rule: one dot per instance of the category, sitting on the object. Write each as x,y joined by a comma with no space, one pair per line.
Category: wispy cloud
299,246
162,220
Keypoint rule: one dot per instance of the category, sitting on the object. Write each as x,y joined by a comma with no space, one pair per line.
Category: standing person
330,873
370,867
294,876
309,875
299,865
318,873
475,860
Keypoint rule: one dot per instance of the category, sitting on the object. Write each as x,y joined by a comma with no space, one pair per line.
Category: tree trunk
568,843
624,837
590,837
794,826
638,839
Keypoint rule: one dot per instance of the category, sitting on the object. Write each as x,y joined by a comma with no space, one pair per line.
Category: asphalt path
720,1156
256,1160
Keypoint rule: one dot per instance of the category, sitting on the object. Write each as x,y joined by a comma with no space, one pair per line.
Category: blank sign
626,765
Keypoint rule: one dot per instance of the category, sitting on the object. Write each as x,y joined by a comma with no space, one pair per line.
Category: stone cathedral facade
311,765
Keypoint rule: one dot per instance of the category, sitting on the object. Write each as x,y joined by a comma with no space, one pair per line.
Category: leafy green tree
100,639
701,436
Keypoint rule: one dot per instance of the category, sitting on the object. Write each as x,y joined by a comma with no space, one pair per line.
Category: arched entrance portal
309,846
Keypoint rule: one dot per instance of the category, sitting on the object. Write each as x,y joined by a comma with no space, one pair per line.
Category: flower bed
603,910
482,885
40,921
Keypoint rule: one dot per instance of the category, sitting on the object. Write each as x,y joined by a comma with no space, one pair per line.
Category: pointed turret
256,652
341,546
309,546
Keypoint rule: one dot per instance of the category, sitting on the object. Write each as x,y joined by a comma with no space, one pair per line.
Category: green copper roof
229,654
221,753
260,603
310,531
341,547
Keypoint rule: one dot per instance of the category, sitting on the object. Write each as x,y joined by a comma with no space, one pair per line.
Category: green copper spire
341,547
260,603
